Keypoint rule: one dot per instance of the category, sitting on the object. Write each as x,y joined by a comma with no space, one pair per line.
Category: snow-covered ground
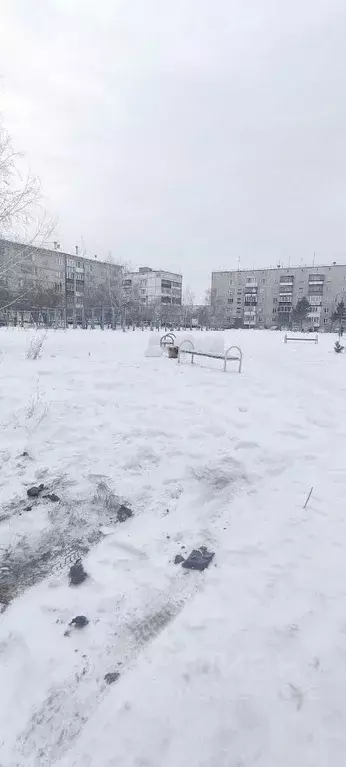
242,665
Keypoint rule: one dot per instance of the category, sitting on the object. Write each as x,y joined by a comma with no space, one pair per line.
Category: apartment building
72,284
156,289
267,297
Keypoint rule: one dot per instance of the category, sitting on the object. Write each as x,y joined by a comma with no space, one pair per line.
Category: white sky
183,134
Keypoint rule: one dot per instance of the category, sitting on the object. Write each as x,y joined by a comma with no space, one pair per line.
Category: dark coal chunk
111,677
34,492
77,573
124,513
79,621
178,559
52,497
199,559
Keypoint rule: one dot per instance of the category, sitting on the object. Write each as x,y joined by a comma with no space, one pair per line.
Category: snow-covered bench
312,338
225,355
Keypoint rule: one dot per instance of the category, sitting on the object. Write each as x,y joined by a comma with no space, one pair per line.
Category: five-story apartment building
267,297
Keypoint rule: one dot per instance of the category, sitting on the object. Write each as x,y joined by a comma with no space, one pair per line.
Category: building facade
39,279
159,293
266,298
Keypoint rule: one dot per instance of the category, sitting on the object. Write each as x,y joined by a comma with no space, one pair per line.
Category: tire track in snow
154,592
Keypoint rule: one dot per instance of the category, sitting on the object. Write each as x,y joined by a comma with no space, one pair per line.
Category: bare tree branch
18,195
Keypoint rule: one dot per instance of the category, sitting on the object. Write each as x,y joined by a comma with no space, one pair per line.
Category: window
166,284
316,277
287,278
316,289
230,300
263,281
176,284
127,283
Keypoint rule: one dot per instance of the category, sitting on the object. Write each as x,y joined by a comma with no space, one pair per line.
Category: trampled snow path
241,667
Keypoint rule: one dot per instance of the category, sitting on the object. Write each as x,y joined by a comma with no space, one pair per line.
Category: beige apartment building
158,291
266,298
78,288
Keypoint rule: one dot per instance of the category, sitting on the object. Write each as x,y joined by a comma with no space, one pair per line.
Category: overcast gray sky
184,134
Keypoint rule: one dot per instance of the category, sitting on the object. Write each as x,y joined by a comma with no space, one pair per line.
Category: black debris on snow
77,573
199,559
79,621
111,677
124,513
34,492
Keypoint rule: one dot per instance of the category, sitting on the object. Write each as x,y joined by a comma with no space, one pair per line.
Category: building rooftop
56,251
277,268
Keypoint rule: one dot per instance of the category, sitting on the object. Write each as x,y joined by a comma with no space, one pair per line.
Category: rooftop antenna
313,260
238,263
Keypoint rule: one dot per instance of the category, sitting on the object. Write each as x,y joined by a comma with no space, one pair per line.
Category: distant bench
311,338
214,355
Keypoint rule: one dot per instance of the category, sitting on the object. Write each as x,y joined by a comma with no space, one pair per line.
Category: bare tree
188,304
20,212
204,312
18,194
219,313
